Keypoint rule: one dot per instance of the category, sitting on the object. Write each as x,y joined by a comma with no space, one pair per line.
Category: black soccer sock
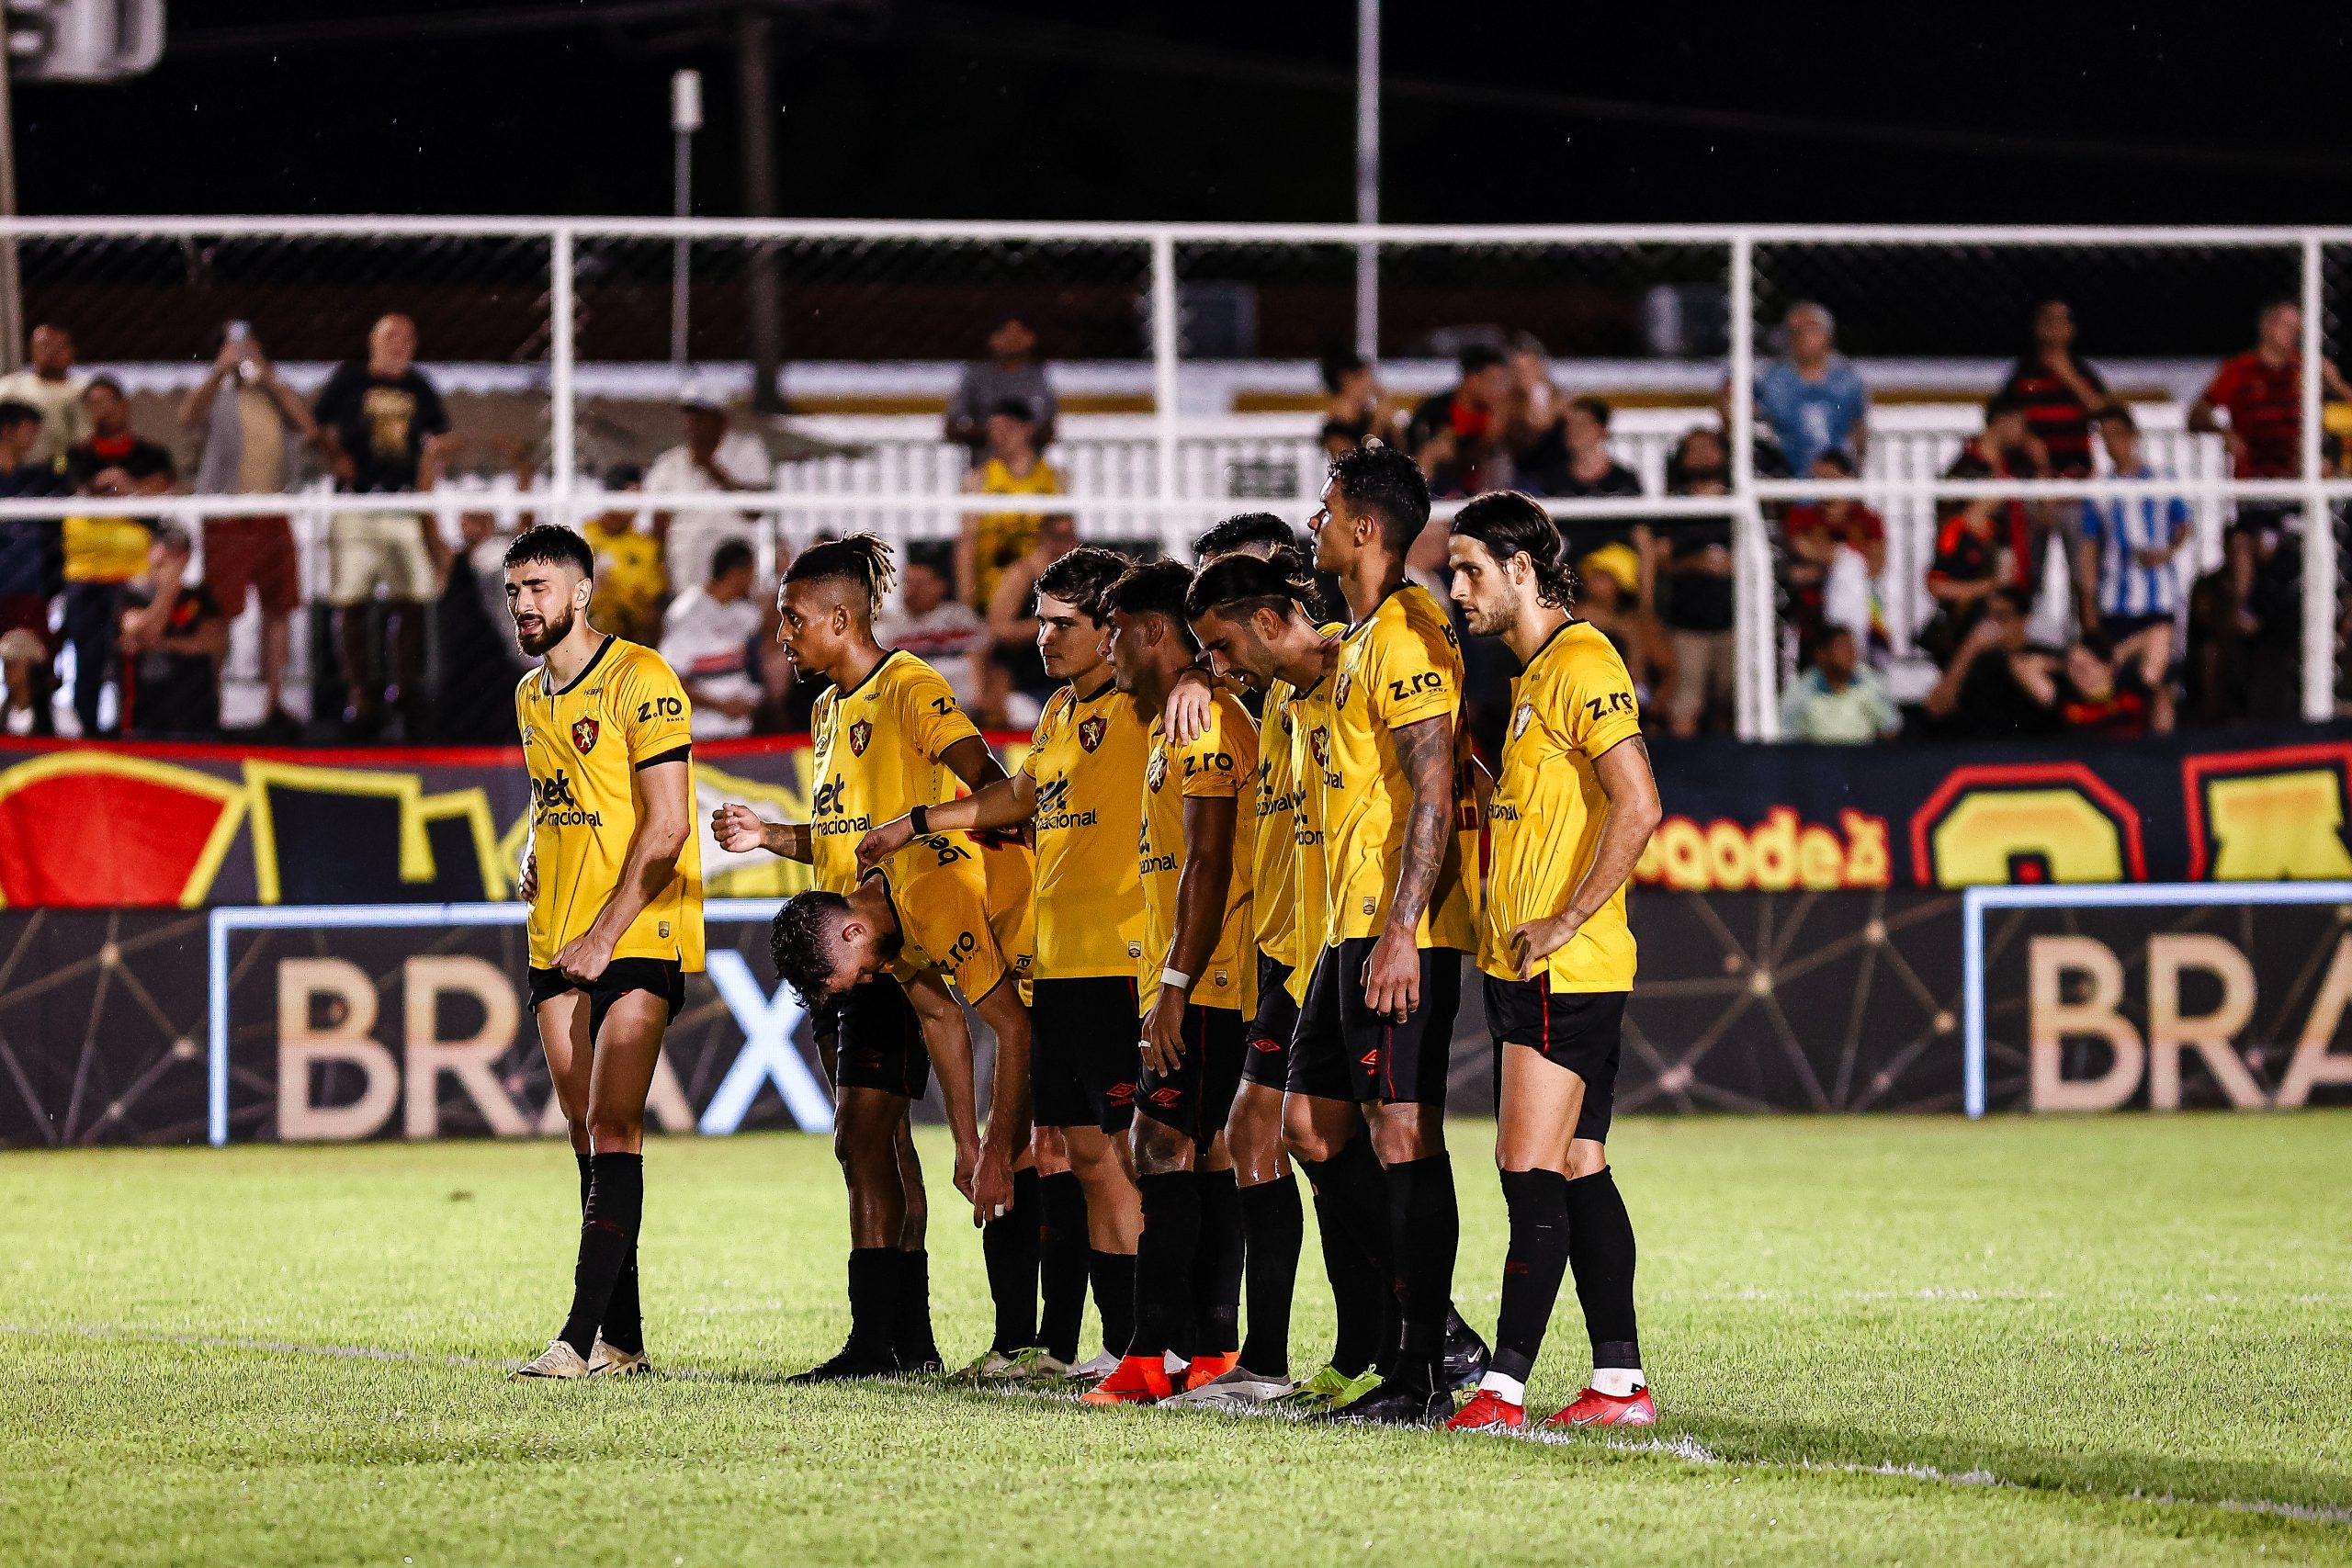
1216,1268
624,1325
1061,1262
910,1312
1425,1226
1009,1250
607,1236
1276,1230
1171,1233
1538,1201
1113,1274
875,1273
1352,1212
1601,1250
581,1161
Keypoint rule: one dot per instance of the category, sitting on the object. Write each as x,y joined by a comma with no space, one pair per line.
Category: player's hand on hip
1534,941
737,829
1163,1033
583,958
1392,976
1190,701
884,842
526,887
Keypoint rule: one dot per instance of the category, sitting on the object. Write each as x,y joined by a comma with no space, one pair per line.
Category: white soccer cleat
1239,1389
1095,1368
607,1362
558,1360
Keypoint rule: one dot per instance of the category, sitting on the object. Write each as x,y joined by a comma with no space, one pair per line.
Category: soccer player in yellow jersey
1386,778
614,876
889,737
1082,789
1573,808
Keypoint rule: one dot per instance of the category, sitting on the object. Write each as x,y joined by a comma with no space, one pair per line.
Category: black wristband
919,818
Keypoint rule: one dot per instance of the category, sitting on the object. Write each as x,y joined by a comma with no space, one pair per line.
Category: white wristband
1177,978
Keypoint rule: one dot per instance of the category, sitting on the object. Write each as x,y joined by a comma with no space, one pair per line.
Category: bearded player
613,877
1571,812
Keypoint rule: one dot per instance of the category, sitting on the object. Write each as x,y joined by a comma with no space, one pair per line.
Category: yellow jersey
964,919
1311,759
583,746
1006,537
1221,764
1274,881
874,756
1087,761
629,578
1398,666
1573,702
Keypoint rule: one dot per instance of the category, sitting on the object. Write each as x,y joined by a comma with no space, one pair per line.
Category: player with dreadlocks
888,738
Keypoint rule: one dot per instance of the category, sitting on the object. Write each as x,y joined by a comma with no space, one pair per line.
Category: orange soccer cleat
1209,1369
1488,1411
1594,1408
1137,1379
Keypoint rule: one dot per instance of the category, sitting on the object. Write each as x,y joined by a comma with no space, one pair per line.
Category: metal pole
12,287
1752,609
1165,382
1368,175
560,331
2319,521
685,119
754,35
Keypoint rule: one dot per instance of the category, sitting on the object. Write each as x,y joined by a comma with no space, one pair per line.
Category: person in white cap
712,458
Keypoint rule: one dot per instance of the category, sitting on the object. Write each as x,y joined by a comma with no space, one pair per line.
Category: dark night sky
1218,110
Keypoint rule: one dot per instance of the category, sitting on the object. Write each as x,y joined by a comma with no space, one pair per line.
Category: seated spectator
1692,556
1011,374
249,443
2060,392
1012,627
28,566
2244,636
991,541
2101,695
1458,437
1840,701
707,638
1837,549
1352,410
931,623
2127,583
630,580
2006,449
1813,398
1536,431
174,638
1608,595
1587,471
48,383
1995,687
714,459
103,553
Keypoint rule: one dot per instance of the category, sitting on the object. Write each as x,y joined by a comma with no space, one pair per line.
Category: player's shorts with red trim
1581,1031
1196,1097
869,1037
1345,1051
1083,1059
1271,1030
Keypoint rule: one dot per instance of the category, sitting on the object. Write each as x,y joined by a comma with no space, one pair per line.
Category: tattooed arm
1392,975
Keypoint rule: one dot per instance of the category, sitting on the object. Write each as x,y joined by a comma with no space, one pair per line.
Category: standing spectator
244,449
713,459
2060,392
173,636
1812,398
1011,374
630,582
1995,687
934,625
47,382
991,541
1352,406
1836,551
2129,584
1694,555
383,429
2262,392
1840,701
1537,434
1585,470
103,553
1459,436
707,638
28,566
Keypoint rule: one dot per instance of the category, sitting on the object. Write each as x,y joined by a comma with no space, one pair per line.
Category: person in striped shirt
2128,586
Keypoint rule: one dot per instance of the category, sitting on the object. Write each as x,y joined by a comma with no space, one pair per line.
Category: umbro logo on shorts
1370,1059
1167,1095
1123,1094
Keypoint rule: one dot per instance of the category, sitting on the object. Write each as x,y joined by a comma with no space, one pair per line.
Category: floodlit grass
2120,1340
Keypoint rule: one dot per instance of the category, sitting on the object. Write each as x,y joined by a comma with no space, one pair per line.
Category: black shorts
1270,1031
664,977
869,1037
1577,1030
1196,1097
2119,629
1083,1062
1343,1051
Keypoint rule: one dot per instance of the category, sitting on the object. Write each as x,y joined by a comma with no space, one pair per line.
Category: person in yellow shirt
630,582
1573,808
991,541
1081,790
613,878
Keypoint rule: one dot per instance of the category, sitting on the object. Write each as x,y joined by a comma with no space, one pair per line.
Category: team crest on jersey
1340,692
1155,773
1091,732
1520,719
859,734
584,736
1318,740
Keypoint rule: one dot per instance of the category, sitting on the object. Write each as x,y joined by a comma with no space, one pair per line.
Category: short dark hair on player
554,547
1509,523
1083,577
800,938
1241,531
733,554
862,559
1153,588
1238,586
1378,478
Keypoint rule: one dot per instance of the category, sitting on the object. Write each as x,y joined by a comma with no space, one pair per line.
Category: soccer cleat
1137,1379
1594,1408
1238,1388
1488,1411
1094,1369
558,1360
1465,1353
1328,1389
1035,1364
1404,1401
604,1361
1209,1369
852,1361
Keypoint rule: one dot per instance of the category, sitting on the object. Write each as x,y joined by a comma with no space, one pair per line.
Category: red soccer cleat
1594,1408
1136,1380
1209,1369
1488,1411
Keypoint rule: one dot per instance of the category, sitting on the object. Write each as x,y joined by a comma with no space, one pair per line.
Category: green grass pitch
2120,1340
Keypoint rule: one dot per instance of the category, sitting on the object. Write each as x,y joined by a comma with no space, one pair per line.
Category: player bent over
1571,812
614,876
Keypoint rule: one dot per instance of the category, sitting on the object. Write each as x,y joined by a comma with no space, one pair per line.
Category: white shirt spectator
950,637
709,643
744,460
63,422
